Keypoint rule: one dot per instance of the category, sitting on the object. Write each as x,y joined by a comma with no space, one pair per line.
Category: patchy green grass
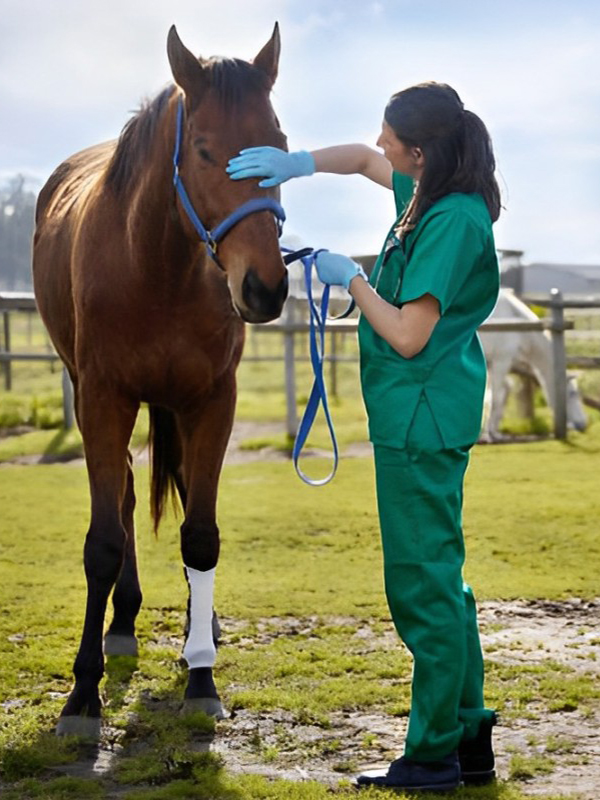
60,445
63,788
524,767
292,578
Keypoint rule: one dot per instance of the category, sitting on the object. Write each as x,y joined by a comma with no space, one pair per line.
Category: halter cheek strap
212,238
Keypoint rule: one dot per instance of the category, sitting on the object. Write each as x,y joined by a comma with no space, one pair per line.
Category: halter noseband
212,238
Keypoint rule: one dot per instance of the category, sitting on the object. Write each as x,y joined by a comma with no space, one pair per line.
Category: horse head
226,107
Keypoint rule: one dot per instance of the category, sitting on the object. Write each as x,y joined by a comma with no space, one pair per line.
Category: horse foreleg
106,425
120,639
204,436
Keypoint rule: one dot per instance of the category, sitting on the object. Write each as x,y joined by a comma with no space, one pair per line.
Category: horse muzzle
579,426
259,303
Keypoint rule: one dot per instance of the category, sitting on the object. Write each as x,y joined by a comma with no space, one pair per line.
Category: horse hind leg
120,639
497,374
106,425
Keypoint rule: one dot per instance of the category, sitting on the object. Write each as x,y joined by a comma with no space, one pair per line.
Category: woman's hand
274,165
336,269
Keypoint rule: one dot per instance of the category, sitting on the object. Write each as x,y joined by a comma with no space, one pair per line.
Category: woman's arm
354,159
275,166
406,329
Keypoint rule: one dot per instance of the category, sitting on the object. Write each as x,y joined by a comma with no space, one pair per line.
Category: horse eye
202,151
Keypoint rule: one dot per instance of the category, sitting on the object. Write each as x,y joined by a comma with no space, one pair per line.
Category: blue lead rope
318,395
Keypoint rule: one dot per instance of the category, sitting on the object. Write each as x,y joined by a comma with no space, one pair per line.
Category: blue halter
212,238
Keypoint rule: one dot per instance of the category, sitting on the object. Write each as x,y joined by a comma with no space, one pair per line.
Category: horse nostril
263,303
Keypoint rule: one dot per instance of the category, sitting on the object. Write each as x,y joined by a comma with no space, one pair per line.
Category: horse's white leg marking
199,649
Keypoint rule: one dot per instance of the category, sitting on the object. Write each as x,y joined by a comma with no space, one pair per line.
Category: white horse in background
529,351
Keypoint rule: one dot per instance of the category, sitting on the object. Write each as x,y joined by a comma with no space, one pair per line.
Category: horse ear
268,58
187,70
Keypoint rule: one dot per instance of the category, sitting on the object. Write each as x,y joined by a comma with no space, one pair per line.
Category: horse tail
165,459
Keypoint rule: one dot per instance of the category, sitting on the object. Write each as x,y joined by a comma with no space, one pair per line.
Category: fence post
559,364
333,362
291,416
7,365
68,400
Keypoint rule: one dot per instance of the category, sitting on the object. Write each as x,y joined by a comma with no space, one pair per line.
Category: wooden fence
25,302
290,324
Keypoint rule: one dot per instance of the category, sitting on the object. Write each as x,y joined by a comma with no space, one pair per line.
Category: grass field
299,579
308,643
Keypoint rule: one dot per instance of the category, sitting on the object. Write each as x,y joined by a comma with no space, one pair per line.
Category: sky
73,72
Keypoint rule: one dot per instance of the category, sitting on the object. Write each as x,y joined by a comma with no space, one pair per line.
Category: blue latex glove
274,165
336,269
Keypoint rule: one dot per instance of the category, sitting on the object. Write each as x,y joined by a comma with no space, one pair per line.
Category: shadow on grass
64,446
146,743
119,671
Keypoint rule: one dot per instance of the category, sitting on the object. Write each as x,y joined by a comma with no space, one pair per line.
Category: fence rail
25,302
289,326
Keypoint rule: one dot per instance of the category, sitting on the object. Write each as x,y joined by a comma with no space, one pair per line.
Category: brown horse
140,311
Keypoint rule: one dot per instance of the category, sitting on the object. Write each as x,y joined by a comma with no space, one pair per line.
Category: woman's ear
418,156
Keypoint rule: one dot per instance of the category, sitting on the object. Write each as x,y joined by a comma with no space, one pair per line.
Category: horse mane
230,78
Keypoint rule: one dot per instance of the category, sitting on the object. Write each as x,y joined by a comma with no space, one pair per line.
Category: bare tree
17,210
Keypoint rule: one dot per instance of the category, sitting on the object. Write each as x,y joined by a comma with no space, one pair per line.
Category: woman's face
404,159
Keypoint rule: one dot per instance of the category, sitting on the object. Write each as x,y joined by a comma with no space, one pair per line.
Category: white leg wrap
199,649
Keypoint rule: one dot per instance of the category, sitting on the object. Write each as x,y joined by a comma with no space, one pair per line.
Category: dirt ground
517,633
275,745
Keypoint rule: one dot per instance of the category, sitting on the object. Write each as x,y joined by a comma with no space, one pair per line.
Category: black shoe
476,755
433,776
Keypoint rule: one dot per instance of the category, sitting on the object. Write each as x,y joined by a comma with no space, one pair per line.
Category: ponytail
477,164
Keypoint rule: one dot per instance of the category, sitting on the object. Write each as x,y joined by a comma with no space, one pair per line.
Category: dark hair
456,145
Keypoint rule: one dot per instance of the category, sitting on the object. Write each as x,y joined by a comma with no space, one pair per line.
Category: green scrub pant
419,496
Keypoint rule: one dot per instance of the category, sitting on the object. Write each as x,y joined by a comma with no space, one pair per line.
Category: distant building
540,278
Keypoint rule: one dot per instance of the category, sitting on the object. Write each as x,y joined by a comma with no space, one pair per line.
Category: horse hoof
116,644
210,705
82,727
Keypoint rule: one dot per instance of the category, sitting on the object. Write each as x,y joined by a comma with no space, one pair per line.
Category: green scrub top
451,255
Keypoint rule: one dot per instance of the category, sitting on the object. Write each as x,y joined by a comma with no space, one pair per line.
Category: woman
423,379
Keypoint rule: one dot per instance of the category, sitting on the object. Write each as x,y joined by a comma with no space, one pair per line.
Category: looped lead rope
318,396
